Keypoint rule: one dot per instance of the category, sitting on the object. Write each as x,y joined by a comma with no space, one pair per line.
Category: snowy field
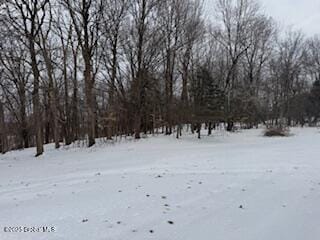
239,186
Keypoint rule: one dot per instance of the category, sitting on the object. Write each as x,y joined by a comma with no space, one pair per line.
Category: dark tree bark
3,136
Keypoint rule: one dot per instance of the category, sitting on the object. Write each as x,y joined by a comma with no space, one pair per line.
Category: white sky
301,14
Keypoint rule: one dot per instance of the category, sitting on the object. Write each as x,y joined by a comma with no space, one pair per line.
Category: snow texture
239,186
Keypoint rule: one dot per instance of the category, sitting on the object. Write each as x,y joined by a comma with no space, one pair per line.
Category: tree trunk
169,92
90,102
230,126
137,105
24,123
199,130
185,76
75,118
52,96
66,100
210,129
36,99
3,137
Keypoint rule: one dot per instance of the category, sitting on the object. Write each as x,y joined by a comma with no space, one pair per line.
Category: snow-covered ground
239,186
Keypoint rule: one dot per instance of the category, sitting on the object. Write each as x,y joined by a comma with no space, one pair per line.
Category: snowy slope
239,186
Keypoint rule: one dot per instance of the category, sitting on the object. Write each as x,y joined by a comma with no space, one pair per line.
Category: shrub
277,132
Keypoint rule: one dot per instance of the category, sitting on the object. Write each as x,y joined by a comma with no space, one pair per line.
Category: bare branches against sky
300,14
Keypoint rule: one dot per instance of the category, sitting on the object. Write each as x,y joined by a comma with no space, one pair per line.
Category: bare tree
312,61
236,19
140,53
291,54
27,18
113,30
44,44
86,18
15,86
194,33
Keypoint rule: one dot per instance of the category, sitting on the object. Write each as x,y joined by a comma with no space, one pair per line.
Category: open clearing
238,186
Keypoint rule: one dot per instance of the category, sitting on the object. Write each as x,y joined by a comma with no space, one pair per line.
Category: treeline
79,70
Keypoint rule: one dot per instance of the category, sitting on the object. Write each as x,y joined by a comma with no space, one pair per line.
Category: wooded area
87,69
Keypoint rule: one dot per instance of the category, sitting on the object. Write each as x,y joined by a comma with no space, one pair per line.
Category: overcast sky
302,14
